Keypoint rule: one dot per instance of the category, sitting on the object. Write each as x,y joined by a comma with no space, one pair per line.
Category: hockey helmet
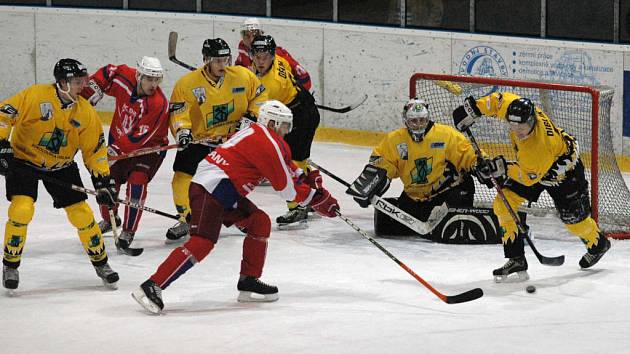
263,44
415,117
251,24
215,48
276,111
150,66
67,68
520,111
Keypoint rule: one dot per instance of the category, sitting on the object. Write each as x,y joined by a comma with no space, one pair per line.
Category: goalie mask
415,116
521,116
277,113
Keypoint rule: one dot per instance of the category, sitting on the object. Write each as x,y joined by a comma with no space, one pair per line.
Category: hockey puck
530,289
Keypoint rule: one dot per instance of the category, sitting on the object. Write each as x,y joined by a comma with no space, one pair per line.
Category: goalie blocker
462,225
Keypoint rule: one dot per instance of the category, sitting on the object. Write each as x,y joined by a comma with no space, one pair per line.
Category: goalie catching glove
486,169
465,115
372,182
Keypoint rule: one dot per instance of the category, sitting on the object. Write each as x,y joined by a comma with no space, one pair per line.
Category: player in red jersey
251,28
218,195
140,121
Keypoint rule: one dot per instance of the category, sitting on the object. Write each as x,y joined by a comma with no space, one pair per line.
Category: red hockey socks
181,259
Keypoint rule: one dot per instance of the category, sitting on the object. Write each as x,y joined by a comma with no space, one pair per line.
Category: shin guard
258,228
181,259
81,216
21,213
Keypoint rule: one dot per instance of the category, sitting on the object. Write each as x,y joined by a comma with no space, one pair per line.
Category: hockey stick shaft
455,299
172,48
343,109
551,261
212,142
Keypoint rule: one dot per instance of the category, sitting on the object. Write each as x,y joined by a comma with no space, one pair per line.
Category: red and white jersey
250,156
138,122
299,73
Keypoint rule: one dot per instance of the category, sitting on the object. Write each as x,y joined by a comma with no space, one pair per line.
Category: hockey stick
423,228
130,251
550,261
212,142
449,299
344,109
172,47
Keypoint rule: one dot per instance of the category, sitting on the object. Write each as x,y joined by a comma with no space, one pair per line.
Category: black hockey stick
130,251
172,48
550,261
449,299
345,109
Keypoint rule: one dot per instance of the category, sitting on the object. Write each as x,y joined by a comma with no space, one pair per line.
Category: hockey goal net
582,111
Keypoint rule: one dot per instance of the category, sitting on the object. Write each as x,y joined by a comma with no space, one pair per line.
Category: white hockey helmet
276,111
251,24
415,117
150,66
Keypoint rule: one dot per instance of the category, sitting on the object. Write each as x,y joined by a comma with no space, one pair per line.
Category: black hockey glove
465,115
488,168
245,121
184,138
6,156
106,193
372,182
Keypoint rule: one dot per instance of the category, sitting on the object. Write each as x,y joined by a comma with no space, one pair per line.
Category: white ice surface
338,292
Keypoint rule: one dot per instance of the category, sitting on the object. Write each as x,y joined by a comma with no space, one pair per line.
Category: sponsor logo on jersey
260,90
9,110
46,110
422,170
53,141
220,113
437,145
200,94
176,107
75,123
238,89
403,151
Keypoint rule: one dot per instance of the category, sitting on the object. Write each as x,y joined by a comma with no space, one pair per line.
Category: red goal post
583,111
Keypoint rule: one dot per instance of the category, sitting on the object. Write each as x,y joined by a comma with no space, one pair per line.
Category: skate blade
299,225
516,278
110,286
248,296
314,216
11,293
144,301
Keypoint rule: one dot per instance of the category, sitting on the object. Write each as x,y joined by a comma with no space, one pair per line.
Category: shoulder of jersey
239,70
191,76
398,133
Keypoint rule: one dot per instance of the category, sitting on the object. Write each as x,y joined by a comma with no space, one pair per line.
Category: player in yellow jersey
212,101
547,158
432,160
47,124
275,74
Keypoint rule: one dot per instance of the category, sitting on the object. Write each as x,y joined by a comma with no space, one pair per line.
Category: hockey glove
92,92
247,120
314,179
324,203
6,156
486,169
112,151
372,182
184,138
106,192
465,115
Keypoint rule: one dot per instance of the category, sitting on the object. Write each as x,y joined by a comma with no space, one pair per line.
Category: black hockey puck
530,289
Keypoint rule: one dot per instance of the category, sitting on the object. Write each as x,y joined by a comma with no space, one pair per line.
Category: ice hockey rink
338,292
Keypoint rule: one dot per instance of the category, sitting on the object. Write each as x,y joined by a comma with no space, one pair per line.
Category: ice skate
177,232
295,218
595,253
253,290
105,226
312,214
149,296
517,266
107,275
10,279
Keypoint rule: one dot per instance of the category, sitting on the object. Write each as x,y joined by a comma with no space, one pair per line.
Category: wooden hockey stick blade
172,48
344,109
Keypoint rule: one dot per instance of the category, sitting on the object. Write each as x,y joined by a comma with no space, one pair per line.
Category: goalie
547,158
433,161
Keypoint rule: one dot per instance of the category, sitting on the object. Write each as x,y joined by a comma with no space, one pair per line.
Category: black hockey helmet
215,48
262,44
67,68
521,111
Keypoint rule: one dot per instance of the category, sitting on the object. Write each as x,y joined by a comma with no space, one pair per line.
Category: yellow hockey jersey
538,152
211,108
279,82
48,135
422,166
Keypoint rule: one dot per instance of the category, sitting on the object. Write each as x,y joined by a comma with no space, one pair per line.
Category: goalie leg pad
20,213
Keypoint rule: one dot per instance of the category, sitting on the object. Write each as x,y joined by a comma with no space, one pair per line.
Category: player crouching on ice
50,123
547,158
218,195
432,160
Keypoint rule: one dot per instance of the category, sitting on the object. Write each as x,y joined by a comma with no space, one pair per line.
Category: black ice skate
10,278
177,232
516,265
253,290
595,253
149,296
107,275
106,226
312,214
294,219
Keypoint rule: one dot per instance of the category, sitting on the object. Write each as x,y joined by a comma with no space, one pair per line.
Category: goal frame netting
595,92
